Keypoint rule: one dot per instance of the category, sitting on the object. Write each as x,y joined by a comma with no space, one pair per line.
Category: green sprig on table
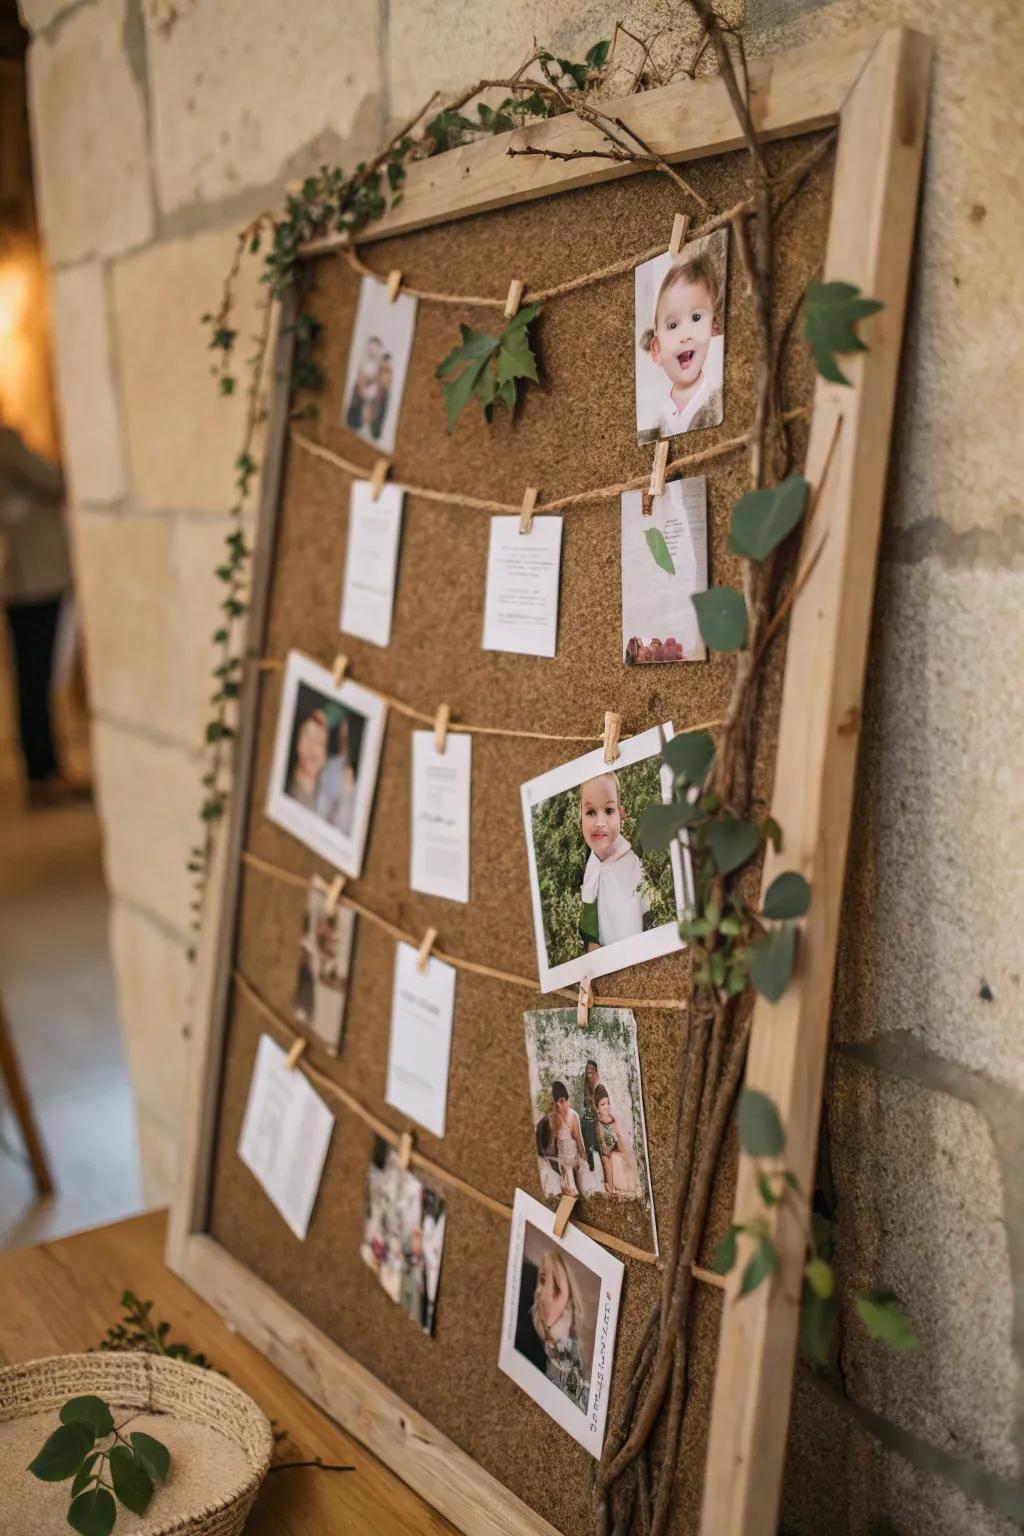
89,1448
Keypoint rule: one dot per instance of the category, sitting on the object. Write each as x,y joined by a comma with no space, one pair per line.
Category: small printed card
371,561
521,609
422,1009
440,816
664,562
285,1135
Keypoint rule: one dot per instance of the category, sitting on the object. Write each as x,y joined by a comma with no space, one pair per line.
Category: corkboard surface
574,431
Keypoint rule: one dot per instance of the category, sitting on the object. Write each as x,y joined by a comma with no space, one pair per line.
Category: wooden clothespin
586,997
339,669
377,477
394,283
612,726
333,895
678,235
429,940
298,1046
514,298
441,720
526,510
564,1211
657,486
405,1151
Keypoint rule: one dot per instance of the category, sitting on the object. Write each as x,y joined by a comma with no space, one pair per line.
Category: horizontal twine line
334,1090
402,935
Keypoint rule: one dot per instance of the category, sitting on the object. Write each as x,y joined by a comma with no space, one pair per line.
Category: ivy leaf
880,1313
820,1277
576,72
62,1454
597,57
660,824
817,1320
722,616
788,896
660,550
93,1514
725,1252
689,755
90,1411
830,312
441,127
760,1129
762,519
153,1455
733,842
771,962
763,1263
131,1483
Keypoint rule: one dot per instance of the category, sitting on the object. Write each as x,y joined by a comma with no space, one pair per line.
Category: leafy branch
90,1448
489,368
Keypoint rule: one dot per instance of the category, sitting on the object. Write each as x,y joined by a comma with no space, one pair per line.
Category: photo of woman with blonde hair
557,1316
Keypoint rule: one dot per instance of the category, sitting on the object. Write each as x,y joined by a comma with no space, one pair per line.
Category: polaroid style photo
561,1314
378,360
598,904
403,1235
664,563
587,1106
326,756
680,339
325,959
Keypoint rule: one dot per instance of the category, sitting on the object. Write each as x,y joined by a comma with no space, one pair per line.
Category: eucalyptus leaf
690,755
817,1321
660,825
771,962
763,1263
788,896
733,842
760,1129
63,1453
153,1455
597,57
880,1313
131,1483
762,519
90,1411
93,1513
725,1252
722,617
820,1277
830,312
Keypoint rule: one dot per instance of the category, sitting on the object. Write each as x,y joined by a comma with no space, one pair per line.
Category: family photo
326,754
561,1312
325,957
599,903
378,361
587,1104
403,1235
680,339
664,563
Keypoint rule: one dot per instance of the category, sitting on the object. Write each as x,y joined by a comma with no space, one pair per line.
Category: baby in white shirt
614,904
686,317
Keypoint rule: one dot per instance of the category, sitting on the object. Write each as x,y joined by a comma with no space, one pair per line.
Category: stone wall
158,128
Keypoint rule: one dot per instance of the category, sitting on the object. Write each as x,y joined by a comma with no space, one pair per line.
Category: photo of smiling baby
599,903
680,339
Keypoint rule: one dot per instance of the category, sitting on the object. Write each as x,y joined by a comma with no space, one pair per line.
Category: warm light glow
14,301
26,401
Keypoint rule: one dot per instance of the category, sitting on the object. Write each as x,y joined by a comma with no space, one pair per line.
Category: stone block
89,137
153,984
249,96
183,437
89,413
36,14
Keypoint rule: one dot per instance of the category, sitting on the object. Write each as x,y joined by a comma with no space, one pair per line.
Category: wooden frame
874,86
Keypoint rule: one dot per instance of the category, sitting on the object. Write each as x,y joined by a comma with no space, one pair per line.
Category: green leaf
597,57
722,616
84,1474
788,896
830,312
515,358
93,1514
760,1129
690,755
768,1194
771,832
763,1263
820,1277
880,1313
733,842
90,1411
131,1484
660,550
475,344
153,1455
817,1320
459,392
762,519
63,1453
725,1252
660,824
771,962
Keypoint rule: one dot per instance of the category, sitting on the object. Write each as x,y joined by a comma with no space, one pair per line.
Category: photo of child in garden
597,896
680,339
378,360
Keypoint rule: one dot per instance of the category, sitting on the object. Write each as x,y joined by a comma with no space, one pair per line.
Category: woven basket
153,1384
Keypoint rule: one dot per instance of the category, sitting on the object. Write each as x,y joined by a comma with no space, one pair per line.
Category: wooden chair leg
10,1069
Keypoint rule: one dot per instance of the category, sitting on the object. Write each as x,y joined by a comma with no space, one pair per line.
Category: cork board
573,431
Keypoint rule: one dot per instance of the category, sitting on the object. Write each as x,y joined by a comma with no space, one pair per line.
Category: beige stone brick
90,426
183,437
89,137
153,983
241,93
36,14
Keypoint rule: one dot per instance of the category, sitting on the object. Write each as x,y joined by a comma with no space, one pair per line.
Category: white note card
521,607
440,816
422,1009
371,561
285,1135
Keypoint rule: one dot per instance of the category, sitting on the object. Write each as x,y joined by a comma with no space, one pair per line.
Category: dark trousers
33,628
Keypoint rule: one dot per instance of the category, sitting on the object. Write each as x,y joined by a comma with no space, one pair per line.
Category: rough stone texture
182,437
89,137
154,981
239,97
89,407
37,14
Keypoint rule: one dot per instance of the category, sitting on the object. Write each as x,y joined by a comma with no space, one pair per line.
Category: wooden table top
61,1297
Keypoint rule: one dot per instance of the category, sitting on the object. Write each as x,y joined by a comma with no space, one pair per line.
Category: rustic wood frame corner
874,86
